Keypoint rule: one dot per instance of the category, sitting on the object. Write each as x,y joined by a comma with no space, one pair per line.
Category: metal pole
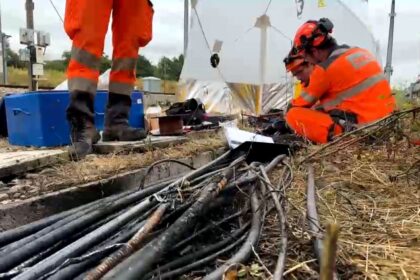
30,25
186,24
3,53
388,67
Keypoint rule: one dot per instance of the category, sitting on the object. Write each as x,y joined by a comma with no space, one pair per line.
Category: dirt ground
96,167
6,90
371,191
368,184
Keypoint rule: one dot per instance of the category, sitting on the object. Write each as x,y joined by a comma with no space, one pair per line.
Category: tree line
166,69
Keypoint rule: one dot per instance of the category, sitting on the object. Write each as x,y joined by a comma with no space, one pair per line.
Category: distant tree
162,69
66,57
58,65
13,59
61,65
170,69
105,64
177,64
144,67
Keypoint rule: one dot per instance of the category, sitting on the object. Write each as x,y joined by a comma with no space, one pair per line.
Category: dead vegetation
5,147
97,167
368,183
371,189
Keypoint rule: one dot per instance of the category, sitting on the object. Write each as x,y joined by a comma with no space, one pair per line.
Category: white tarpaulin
252,38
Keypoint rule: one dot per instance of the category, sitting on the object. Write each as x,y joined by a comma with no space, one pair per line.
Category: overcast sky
168,30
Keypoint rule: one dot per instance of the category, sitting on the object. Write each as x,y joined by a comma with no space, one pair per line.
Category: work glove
279,126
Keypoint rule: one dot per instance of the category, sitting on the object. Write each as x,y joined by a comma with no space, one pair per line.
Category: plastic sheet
230,26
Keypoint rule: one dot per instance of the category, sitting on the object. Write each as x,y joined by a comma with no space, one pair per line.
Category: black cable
142,262
26,251
268,6
183,270
149,169
245,251
72,269
207,228
200,254
56,11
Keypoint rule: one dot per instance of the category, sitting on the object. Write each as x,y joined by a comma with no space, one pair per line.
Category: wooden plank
147,144
14,163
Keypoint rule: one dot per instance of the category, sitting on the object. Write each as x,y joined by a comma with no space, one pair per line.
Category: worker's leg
131,29
313,125
86,23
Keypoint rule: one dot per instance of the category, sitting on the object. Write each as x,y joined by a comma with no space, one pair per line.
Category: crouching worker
300,69
298,66
345,89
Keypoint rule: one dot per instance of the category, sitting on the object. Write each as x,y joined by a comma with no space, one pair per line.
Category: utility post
3,64
388,67
29,5
186,25
36,43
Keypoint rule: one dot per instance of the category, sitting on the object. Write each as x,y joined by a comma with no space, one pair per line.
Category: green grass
403,103
20,77
52,78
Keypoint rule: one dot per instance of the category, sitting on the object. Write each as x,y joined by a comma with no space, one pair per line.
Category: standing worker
86,23
346,88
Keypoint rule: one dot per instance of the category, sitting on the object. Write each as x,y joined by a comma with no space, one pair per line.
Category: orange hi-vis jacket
86,23
350,80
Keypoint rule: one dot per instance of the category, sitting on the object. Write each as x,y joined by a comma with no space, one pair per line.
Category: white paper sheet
236,137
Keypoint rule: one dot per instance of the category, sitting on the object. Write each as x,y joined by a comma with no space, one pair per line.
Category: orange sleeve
317,87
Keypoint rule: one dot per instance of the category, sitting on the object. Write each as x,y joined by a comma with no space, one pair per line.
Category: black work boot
116,120
83,133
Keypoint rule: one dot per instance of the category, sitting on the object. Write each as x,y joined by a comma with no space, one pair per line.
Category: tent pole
263,23
186,23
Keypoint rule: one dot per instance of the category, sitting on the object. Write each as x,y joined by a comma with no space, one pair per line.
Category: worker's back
356,84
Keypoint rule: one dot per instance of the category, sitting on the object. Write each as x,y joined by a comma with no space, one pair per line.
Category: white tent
252,38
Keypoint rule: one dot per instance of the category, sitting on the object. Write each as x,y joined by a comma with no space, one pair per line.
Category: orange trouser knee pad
313,125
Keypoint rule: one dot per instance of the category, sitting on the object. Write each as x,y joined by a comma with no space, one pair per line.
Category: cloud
168,30
168,27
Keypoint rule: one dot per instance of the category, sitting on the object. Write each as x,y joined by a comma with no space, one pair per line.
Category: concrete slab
14,163
147,144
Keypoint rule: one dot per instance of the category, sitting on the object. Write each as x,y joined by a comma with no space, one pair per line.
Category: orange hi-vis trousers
86,23
314,125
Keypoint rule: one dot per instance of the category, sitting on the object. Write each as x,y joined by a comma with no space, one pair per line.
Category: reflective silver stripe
82,84
83,57
333,57
121,88
355,90
356,63
123,64
307,97
339,51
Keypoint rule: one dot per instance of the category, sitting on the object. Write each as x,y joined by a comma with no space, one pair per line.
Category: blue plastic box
136,113
39,118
